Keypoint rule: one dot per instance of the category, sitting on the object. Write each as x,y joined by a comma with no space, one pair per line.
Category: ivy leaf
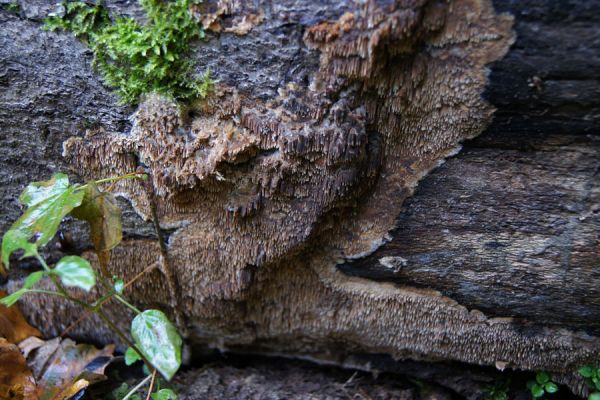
33,278
76,271
131,356
542,377
48,202
586,372
164,394
594,396
551,387
158,340
101,211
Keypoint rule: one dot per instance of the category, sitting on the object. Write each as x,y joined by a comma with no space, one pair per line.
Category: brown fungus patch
267,195
228,16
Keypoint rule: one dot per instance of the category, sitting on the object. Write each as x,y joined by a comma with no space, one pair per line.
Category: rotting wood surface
509,192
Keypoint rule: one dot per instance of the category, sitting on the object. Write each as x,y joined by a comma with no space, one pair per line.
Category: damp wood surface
510,226
493,260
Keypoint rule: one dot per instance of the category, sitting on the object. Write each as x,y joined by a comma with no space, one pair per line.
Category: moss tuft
136,59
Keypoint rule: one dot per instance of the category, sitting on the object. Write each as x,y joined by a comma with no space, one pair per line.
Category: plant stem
131,175
151,384
111,292
57,283
42,261
137,387
100,302
91,308
46,292
164,261
123,337
126,303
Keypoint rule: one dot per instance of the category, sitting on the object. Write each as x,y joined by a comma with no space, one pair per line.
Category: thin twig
89,307
123,337
151,384
167,270
136,388
107,298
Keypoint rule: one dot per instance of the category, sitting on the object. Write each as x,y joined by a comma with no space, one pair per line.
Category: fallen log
285,206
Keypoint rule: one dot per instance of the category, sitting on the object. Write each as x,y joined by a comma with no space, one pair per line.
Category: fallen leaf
30,344
13,326
16,380
62,368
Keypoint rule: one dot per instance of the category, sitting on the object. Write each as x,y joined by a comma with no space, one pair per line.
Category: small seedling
497,391
155,340
541,385
592,378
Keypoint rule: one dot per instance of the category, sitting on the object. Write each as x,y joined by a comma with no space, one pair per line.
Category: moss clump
136,59
13,7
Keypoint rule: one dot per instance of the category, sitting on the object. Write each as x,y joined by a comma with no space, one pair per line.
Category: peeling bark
276,189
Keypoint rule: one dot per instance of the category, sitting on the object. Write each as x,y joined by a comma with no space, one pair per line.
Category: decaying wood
276,189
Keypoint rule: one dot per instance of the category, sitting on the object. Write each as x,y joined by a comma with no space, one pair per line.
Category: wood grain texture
511,225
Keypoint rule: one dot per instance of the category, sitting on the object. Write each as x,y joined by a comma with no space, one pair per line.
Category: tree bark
307,246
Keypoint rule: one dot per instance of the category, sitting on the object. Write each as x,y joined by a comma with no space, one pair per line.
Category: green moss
13,7
136,59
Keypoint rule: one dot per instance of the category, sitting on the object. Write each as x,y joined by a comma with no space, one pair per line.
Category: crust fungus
266,195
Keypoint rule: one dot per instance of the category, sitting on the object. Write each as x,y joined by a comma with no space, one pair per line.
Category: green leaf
551,387
30,281
537,391
158,340
48,203
586,371
131,356
12,298
14,240
542,377
101,211
531,384
164,394
33,278
76,271
594,396
122,391
119,285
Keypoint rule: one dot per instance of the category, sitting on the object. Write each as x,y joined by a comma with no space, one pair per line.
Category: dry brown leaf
62,368
30,344
16,380
101,211
13,326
